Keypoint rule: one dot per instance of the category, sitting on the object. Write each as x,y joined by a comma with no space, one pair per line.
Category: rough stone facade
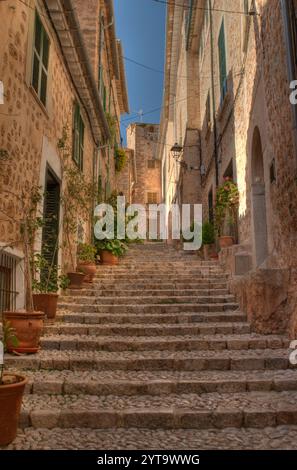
30,130
142,139
245,124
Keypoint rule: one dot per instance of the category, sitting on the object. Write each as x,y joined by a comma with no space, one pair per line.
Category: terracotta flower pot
10,407
28,327
89,269
76,280
226,242
108,258
46,303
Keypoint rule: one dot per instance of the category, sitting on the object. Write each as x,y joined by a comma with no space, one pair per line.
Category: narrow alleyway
156,355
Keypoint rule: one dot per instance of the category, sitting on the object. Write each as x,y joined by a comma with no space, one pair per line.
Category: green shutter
78,137
222,61
40,60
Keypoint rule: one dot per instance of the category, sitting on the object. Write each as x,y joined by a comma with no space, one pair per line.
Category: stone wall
142,138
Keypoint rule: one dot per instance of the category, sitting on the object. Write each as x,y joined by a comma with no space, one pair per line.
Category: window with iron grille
40,60
152,198
8,290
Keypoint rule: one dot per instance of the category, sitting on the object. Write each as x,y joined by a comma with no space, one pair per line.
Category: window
152,198
151,164
78,137
222,62
8,291
40,60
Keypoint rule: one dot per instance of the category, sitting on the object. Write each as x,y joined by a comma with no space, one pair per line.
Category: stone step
131,291
147,318
157,277
153,360
158,382
165,343
280,437
212,410
150,308
126,284
147,330
144,300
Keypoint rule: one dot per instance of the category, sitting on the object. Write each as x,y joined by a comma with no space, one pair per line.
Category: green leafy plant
115,247
112,124
45,276
208,233
86,253
227,202
8,337
120,159
78,196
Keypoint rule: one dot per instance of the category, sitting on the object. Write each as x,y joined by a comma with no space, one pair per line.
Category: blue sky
140,24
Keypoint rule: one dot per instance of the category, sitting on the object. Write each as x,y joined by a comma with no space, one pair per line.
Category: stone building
142,139
59,81
228,83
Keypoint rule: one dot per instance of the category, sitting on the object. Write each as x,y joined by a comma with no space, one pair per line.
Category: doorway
50,232
259,200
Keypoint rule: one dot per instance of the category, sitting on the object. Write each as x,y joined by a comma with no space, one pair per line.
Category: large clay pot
46,303
108,258
28,327
89,269
10,407
226,242
76,280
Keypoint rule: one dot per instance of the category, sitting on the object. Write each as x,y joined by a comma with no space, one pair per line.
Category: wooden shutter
50,232
76,131
222,61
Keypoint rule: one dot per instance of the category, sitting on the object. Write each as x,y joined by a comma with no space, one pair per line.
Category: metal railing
8,292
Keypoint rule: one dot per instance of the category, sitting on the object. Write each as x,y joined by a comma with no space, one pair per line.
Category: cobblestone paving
283,437
128,372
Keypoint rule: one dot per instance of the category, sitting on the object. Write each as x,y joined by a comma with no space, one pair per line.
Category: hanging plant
120,159
112,124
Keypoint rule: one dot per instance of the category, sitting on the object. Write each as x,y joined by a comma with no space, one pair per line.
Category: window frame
38,58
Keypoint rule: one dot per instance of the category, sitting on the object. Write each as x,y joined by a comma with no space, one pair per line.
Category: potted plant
46,284
28,324
12,388
208,241
227,201
110,251
86,260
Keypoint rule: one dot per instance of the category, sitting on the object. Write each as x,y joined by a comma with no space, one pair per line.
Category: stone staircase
157,355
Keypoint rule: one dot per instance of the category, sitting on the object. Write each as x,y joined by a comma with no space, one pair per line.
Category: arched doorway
259,200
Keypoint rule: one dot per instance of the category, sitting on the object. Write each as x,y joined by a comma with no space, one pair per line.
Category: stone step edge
156,387
199,363
156,418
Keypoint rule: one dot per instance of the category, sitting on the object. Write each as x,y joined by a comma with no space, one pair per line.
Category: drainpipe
286,13
215,133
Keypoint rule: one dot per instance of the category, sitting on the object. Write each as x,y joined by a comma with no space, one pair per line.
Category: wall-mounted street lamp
177,152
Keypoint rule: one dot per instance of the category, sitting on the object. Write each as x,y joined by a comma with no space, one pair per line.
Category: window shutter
222,61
